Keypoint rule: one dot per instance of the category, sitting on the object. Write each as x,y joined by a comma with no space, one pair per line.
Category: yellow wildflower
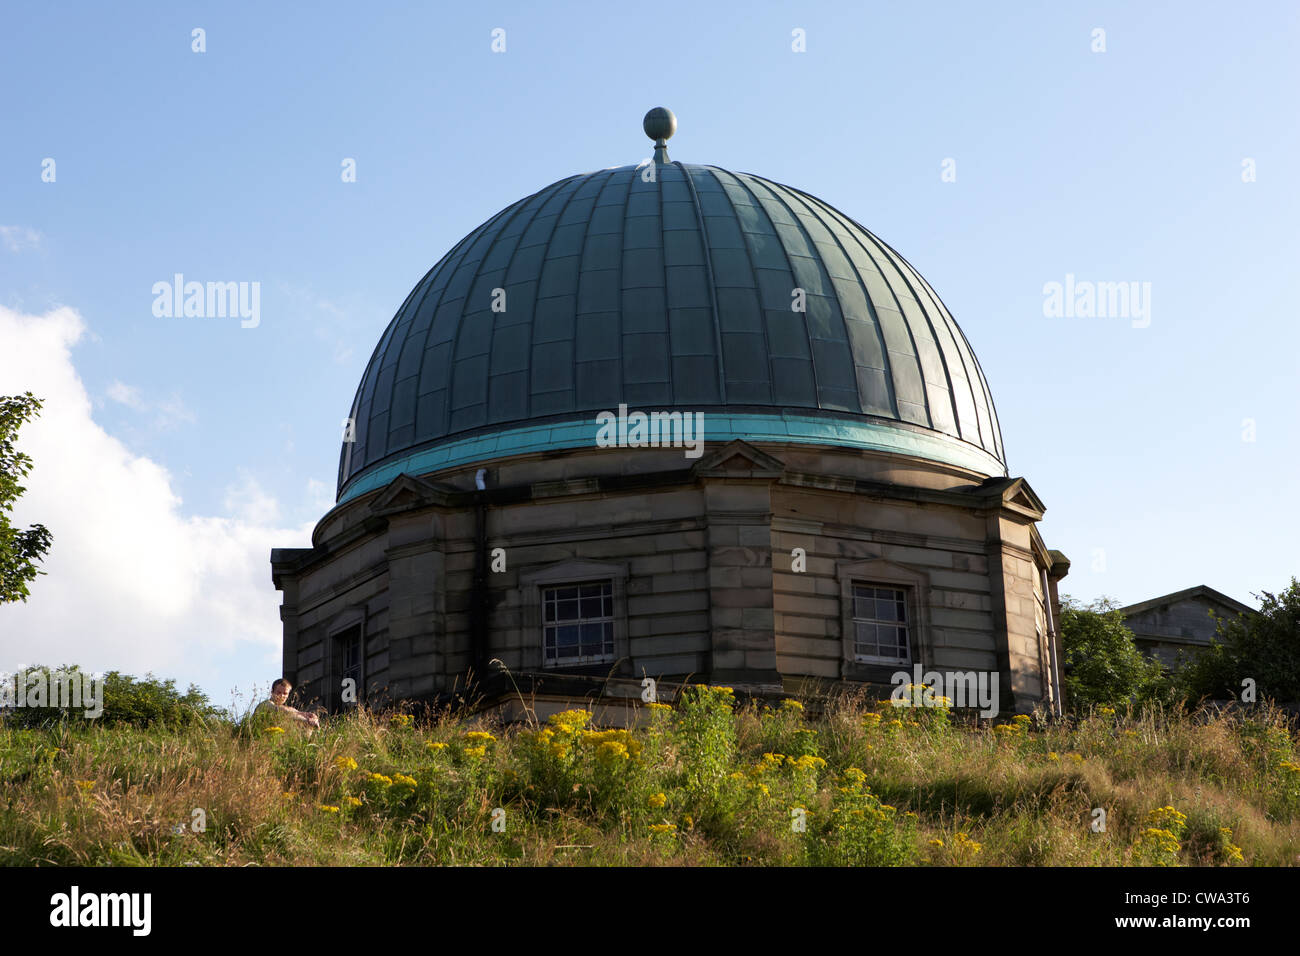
480,736
402,780
570,721
476,752
663,828
435,745
274,730
965,844
769,762
611,751
352,801
381,779
86,785
345,763
657,800
1167,818
327,808
1163,841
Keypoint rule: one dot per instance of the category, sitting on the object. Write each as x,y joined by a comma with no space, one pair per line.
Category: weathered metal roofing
671,291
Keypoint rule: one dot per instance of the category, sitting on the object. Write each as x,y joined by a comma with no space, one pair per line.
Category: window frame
906,624
915,585
534,585
578,660
353,619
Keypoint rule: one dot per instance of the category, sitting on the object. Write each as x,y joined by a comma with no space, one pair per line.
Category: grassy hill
704,782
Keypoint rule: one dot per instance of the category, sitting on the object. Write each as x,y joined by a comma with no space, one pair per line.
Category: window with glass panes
349,643
880,624
578,623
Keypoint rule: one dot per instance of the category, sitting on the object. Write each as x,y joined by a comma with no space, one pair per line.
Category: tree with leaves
1262,649
1103,665
20,551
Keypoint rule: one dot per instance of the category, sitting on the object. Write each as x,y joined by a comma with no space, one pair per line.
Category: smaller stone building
1181,621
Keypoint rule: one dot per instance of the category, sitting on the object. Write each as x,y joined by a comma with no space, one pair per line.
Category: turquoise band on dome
796,429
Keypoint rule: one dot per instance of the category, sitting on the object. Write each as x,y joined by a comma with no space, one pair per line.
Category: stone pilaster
737,482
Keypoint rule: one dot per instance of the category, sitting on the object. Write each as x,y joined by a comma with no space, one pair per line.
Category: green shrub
126,701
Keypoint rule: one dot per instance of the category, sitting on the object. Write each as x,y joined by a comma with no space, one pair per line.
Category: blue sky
1123,165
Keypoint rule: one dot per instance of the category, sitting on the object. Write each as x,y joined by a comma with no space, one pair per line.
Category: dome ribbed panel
673,293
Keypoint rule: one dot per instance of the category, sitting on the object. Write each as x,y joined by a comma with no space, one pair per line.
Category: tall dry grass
708,783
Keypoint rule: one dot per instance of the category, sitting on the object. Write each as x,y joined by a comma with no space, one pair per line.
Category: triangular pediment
1203,593
1012,493
1019,493
406,492
740,459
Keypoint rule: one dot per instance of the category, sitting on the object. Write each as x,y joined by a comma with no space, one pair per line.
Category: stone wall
1184,625
702,560
944,546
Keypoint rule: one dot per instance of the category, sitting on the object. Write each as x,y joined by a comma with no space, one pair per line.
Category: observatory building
669,421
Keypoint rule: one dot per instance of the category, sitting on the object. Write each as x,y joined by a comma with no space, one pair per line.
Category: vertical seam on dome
622,252
380,348
951,323
947,375
466,243
451,355
871,307
753,275
916,352
713,291
1000,451
812,364
577,287
492,328
517,207
668,311
812,246
455,339
532,318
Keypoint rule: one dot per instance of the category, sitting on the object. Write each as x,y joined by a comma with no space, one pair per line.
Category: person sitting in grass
279,694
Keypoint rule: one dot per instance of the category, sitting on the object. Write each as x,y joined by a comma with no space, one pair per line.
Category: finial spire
660,124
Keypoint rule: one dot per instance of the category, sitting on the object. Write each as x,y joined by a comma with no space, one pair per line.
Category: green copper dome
677,290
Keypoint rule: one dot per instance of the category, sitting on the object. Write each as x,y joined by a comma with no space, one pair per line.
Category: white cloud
133,583
167,412
18,238
127,395
328,321
248,502
320,496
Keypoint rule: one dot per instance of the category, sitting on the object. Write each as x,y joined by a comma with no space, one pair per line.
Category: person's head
280,690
